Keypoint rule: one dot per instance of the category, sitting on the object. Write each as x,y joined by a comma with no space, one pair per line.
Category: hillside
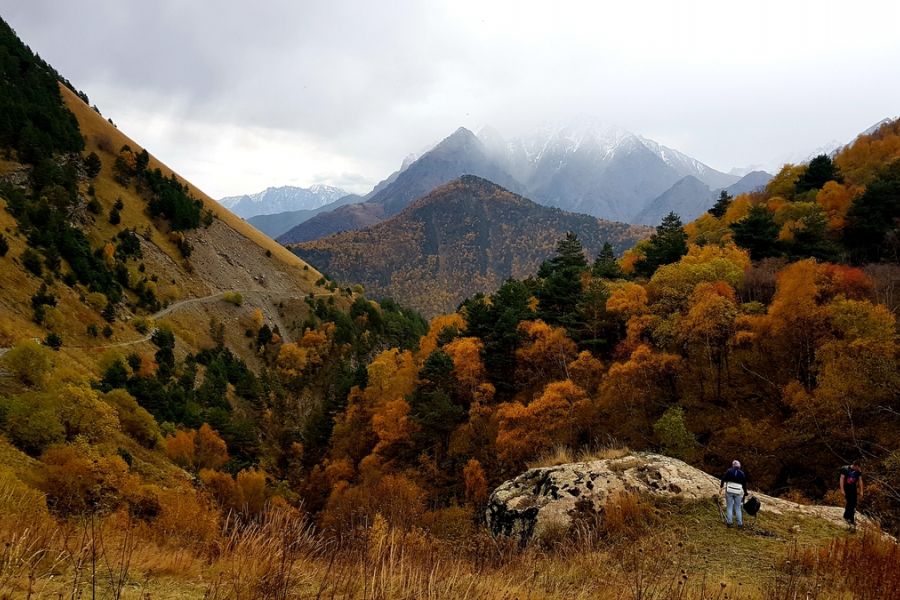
145,335
227,255
465,237
343,218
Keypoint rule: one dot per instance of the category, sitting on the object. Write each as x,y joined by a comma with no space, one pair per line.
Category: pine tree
666,246
92,165
872,232
560,289
821,169
719,209
605,265
757,233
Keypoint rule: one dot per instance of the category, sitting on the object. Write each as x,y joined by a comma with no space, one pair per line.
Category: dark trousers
850,510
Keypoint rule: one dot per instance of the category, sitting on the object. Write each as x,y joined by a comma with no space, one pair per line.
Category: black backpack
752,506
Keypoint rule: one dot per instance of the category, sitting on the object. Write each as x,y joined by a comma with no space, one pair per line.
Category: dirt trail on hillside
180,304
201,300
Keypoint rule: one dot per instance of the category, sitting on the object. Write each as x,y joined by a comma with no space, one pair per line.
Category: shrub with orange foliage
440,326
245,494
841,280
738,209
180,448
835,200
586,372
250,485
399,500
78,480
476,483
393,427
860,161
627,299
201,449
210,451
554,418
467,365
636,392
186,517
148,367
544,355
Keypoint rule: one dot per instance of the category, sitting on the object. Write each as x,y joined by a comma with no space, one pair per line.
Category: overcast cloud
237,96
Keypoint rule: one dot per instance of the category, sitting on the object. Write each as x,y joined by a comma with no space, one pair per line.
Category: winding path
202,300
176,305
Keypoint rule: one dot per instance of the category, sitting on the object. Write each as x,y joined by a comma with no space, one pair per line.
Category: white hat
736,464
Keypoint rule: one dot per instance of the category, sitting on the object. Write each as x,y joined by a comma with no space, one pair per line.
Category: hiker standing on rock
852,488
734,483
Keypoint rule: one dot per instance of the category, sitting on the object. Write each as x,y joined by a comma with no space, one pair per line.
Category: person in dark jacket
852,488
734,484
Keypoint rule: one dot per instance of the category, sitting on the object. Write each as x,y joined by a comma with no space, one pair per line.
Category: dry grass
561,455
639,549
867,566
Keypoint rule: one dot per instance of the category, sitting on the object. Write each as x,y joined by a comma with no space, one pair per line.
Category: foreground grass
657,551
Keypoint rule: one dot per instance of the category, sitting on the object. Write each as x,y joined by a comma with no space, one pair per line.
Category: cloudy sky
237,96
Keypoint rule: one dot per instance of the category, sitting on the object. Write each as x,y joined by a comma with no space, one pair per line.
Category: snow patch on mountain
281,199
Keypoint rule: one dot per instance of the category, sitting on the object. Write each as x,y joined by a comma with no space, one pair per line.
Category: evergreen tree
719,209
496,323
666,246
872,232
92,165
560,289
811,239
264,336
605,265
141,161
432,405
757,233
820,170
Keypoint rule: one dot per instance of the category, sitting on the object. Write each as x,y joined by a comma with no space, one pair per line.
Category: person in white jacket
734,484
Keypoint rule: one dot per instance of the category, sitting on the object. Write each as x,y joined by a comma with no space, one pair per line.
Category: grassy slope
230,241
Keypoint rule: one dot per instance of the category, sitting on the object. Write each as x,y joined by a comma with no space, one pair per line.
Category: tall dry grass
560,455
864,567
622,555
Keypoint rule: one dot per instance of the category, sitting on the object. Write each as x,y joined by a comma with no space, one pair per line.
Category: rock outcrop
544,499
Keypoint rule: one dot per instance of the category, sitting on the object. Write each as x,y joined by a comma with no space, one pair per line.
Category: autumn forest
189,410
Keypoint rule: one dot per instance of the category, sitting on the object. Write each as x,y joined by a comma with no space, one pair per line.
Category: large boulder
543,500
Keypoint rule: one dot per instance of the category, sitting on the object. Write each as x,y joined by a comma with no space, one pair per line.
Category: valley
518,367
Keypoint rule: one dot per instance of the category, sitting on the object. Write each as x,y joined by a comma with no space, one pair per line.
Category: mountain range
464,237
585,167
281,199
276,224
